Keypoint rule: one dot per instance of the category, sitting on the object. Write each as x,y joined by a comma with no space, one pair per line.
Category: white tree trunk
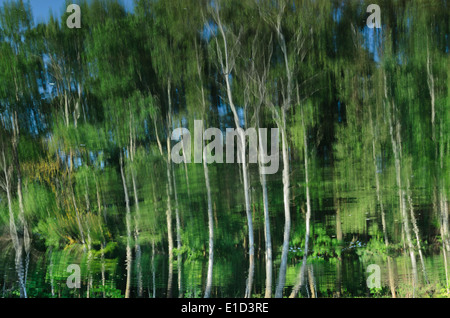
416,233
286,182
209,276
178,229
267,233
128,225
137,246
301,277
227,67
287,214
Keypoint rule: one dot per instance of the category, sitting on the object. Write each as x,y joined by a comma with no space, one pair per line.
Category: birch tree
292,55
226,48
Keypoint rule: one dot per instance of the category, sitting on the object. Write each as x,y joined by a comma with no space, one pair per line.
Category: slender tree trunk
103,243
153,269
416,232
267,234
7,187
52,285
169,194
287,214
169,234
446,268
89,241
308,213
339,277
26,235
286,182
178,229
89,261
102,260
227,64
20,270
396,147
308,197
209,276
408,239
158,141
26,239
249,221
339,238
128,225
391,276
445,219
23,222
137,246
17,242
380,202
138,257
245,175
312,282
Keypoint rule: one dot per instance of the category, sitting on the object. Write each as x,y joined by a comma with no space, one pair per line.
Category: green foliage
376,247
324,246
77,105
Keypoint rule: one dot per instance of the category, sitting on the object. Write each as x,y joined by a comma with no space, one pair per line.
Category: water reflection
346,233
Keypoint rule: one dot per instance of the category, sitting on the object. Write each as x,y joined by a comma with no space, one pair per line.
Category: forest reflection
86,175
